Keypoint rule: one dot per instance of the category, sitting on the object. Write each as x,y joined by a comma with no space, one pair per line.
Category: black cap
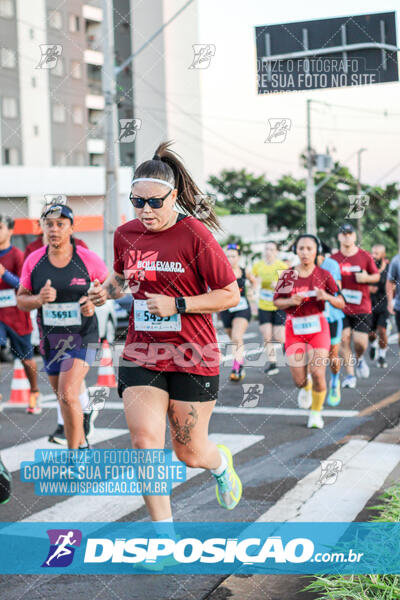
346,228
57,211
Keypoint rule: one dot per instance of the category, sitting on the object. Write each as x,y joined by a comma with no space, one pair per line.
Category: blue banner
204,548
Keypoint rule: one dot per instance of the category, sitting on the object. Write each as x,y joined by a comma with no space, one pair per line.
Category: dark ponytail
166,165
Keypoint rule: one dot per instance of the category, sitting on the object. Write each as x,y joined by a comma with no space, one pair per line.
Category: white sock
374,344
84,400
382,352
60,420
160,529
224,465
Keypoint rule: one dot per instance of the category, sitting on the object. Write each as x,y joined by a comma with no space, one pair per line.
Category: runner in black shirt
380,313
55,279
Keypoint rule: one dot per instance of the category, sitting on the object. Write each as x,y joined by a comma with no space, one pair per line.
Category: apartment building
52,106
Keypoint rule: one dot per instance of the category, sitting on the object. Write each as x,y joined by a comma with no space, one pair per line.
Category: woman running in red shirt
302,292
179,275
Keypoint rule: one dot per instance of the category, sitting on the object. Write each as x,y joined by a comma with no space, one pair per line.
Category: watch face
180,303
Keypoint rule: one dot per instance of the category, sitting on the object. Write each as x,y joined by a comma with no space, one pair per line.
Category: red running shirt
290,284
358,299
12,316
183,260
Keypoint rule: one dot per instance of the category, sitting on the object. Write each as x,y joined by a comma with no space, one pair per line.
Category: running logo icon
286,281
330,470
128,130
203,54
278,130
63,543
358,204
251,394
49,56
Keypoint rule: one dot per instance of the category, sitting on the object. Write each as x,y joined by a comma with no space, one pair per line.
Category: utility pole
111,135
359,221
311,220
111,199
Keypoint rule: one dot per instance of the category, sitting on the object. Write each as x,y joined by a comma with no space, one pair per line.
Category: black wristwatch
180,304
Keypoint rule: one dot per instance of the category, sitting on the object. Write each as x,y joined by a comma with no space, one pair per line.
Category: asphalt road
273,451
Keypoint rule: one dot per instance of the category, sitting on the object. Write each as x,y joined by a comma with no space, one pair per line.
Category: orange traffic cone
106,375
20,388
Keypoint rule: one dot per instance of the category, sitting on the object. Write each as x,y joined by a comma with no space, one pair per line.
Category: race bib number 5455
146,321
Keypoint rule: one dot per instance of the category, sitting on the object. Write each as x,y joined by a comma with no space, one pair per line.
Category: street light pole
109,75
311,220
359,221
111,214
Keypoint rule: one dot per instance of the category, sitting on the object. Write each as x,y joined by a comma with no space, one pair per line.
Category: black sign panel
327,53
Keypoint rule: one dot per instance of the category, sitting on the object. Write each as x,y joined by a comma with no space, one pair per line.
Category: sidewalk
308,499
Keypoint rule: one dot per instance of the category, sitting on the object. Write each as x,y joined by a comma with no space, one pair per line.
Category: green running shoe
334,396
229,486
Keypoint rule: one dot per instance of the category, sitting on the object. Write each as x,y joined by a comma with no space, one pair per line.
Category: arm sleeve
371,266
393,271
212,264
118,262
25,279
97,268
337,275
10,279
331,286
94,264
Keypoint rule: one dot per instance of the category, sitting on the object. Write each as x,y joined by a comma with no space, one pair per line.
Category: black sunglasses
153,202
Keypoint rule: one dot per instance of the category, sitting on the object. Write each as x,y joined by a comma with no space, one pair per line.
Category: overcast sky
235,117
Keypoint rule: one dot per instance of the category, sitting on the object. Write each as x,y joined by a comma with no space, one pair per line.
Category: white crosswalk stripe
241,410
14,455
112,508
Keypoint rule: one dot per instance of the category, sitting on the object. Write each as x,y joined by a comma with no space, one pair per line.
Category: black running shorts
187,387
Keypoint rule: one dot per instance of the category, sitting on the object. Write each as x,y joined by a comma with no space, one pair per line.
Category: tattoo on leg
182,432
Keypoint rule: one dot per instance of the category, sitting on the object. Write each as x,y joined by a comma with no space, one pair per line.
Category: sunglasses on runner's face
153,202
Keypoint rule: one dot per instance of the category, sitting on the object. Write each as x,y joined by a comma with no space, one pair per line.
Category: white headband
153,180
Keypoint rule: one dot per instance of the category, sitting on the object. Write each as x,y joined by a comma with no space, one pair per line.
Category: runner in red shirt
302,292
358,269
15,323
179,276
